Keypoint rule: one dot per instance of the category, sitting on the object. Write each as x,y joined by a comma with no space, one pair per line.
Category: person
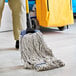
18,9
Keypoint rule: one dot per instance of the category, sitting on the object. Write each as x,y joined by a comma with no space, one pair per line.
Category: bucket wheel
62,28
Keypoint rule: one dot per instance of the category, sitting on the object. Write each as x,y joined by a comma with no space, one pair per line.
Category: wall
6,23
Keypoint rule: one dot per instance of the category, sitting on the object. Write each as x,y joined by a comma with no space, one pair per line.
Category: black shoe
17,44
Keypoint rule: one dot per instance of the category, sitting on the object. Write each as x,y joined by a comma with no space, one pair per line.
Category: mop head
36,54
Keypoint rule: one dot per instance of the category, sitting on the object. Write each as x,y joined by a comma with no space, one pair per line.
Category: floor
62,43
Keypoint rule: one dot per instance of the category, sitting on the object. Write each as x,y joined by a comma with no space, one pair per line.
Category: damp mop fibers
36,54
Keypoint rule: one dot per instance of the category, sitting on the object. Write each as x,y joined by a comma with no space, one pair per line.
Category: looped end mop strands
36,54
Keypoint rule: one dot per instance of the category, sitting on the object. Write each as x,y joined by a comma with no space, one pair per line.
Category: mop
35,53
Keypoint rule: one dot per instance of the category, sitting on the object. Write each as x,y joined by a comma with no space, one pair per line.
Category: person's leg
18,16
1,8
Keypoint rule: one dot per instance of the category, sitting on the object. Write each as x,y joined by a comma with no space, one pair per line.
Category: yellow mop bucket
54,13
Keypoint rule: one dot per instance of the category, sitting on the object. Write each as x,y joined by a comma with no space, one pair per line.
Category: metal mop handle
29,24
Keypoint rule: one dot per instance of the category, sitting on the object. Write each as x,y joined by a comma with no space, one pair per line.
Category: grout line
6,31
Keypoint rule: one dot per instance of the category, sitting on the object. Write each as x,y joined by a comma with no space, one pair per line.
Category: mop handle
29,24
27,7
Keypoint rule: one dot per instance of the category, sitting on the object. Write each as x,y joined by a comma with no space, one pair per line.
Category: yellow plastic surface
27,7
59,14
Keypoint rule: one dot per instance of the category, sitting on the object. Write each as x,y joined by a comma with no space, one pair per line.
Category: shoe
17,44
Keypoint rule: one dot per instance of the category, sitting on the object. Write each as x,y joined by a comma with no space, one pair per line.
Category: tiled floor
63,45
